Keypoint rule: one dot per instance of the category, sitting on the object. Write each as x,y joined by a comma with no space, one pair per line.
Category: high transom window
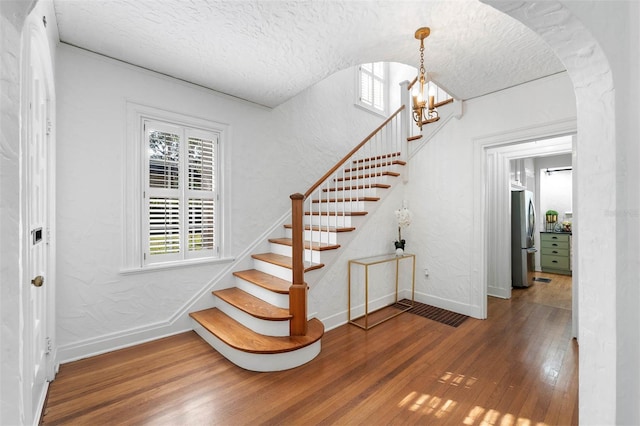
373,86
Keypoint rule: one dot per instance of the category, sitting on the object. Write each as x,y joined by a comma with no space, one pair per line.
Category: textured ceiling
268,51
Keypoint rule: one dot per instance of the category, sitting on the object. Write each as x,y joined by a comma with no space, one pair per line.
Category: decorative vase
399,245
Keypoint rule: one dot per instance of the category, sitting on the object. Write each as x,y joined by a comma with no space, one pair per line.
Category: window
373,82
173,208
180,192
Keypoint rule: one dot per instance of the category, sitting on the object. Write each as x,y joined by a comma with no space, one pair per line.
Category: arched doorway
595,166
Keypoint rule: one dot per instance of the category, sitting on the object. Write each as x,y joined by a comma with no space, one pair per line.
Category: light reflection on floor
426,404
457,380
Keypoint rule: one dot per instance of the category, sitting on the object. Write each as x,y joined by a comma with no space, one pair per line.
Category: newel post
298,289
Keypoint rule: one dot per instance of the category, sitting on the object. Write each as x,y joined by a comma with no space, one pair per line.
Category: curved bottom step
253,351
261,362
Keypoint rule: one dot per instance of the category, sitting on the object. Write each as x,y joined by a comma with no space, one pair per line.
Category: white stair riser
376,167
260,362
270,268
347,206
333,221
282,249
355,193
330,221
324,237
365,181
285,250
276,299
268,328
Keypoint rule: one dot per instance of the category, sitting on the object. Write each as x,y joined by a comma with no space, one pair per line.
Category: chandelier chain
424,110
422,70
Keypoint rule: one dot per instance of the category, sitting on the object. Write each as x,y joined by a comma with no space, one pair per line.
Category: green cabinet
555,252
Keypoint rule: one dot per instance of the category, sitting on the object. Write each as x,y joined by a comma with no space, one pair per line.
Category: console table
385,312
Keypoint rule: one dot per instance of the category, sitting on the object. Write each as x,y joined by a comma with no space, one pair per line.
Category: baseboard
39,409
179,322
460,308
120,340
499,292
335,320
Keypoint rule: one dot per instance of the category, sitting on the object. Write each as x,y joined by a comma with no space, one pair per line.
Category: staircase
252,323
261,323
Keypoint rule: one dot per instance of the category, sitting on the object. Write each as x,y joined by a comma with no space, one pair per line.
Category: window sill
175,265
371,110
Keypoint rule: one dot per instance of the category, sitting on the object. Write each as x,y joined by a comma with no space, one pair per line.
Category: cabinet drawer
554,251
555,245
545,236
556,262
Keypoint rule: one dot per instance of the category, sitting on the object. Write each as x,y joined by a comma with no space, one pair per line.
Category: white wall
19,21
274,153
439,192
612,365
610,336
441,186
556,187
603,62
12,15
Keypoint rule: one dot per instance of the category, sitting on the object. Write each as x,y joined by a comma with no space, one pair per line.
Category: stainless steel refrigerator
523,250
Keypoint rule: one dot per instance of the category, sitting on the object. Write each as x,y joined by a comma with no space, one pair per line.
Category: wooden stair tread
370,175
323,228
264,280
346,200
244,339
284,261
307,244
378,157
343,188
334,213
252,305
414,138
373,166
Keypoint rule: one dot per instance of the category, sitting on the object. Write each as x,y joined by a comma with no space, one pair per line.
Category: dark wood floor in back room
520,366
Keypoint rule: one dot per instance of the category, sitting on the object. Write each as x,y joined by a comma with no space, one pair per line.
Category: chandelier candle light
423,114
403,216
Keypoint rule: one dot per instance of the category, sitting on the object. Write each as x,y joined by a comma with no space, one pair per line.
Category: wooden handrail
441,103
298,290
353,151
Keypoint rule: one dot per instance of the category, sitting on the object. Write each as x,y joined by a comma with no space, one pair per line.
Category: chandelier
423,114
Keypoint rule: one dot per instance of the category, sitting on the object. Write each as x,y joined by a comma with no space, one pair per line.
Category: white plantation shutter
373,86
180,193
164,225
202,184
201,224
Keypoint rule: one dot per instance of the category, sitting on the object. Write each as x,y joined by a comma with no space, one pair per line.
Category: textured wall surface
239,47
11,401
274,153
441,184
19,20
603,63
609,194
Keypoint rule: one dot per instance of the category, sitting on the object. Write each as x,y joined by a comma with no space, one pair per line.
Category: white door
37,127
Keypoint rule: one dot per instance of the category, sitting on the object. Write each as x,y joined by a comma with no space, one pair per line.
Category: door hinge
49,125
49,345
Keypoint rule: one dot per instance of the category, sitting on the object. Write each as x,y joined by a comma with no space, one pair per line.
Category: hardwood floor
520,366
